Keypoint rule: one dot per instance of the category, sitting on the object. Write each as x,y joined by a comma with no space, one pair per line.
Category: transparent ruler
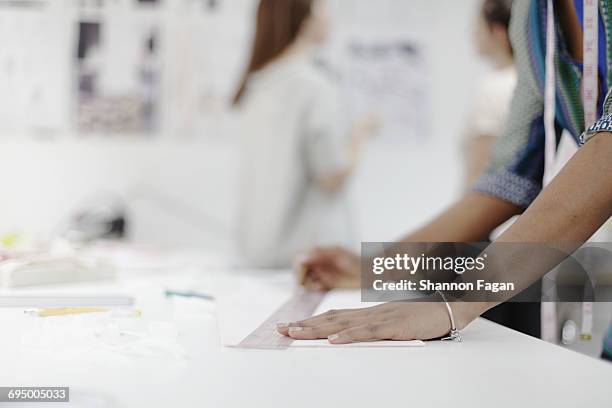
301,306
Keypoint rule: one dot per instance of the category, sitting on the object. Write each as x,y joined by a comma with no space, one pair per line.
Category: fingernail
282,325
295,329
333,337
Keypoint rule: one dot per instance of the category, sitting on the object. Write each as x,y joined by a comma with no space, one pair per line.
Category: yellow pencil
65,311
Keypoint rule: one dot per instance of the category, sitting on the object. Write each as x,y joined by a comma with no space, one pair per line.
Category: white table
494,367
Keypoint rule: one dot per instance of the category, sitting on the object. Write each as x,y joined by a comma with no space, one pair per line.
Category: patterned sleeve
517,167
604,124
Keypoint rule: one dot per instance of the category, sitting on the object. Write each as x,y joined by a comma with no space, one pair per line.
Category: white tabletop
186,366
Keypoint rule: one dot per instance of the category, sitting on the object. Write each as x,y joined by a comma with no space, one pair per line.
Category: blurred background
118,122
122,107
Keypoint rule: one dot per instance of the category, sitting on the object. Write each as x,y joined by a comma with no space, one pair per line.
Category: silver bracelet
454,334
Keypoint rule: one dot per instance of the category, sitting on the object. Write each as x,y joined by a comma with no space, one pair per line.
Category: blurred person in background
297,152
491,104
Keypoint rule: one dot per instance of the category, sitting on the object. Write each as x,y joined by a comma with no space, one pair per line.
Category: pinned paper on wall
117,77
390,79
32,76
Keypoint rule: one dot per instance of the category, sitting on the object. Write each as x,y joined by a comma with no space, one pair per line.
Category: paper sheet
253,300
245,301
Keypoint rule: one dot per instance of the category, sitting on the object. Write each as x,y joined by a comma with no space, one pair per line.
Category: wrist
466,312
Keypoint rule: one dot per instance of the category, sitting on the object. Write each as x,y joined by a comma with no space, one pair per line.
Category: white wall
172,190
399,186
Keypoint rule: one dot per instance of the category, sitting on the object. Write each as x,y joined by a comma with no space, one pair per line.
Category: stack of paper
44,269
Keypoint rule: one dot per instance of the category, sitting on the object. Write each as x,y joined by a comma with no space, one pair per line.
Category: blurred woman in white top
491,103
297,152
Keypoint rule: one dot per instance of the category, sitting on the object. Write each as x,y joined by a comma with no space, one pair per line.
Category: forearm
575,204
477,155
565,215
471,219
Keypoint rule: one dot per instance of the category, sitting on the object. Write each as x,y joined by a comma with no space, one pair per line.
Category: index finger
324,318
328,317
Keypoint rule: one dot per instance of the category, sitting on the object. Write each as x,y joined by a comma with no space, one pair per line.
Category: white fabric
292,134
491,105
562,155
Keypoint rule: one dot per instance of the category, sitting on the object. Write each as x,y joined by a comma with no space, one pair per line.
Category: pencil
65,311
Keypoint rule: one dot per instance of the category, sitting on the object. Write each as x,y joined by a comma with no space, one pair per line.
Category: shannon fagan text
426,285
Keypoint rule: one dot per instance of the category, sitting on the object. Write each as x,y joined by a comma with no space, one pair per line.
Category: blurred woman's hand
389,321
362,130
329,268
368,125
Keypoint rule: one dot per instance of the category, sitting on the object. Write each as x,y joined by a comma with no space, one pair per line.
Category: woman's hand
329,268
368,126
389,321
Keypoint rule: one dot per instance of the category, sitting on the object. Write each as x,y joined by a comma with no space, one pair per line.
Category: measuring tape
590,85
590,59
590,82
301,306
550,95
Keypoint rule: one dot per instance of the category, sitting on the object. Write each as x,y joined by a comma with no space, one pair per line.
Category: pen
173,293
